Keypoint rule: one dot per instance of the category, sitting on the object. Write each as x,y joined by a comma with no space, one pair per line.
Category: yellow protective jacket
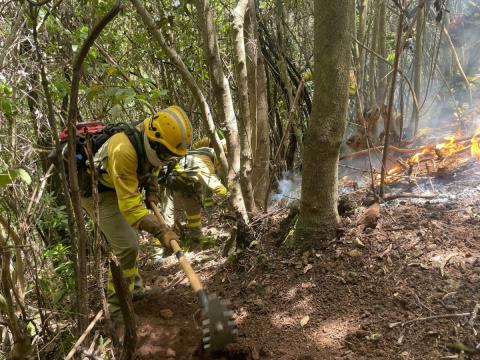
198,167
117,163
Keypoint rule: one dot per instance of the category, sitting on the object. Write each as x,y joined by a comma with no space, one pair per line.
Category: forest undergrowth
405,288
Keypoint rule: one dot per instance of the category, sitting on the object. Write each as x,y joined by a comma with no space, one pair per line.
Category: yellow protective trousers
176,203
123,241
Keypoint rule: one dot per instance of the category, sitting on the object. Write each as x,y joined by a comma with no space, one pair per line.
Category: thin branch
433,317
84,335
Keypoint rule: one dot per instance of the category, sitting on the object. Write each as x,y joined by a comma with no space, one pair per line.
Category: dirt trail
422,260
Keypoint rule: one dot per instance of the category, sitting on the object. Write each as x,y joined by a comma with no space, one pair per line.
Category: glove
151,225
167,236
151,191
221,191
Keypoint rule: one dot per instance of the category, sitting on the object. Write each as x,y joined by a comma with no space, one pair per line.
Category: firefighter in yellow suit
123,172
183,187
204,142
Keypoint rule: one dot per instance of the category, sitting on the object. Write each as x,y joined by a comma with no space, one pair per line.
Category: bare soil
370,294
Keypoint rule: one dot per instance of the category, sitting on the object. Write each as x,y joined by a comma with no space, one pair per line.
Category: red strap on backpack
83,128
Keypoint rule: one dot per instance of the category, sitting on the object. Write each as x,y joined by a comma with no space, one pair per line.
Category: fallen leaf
307,268
166,313
459,346
354,253
358,243
171,353
369,218
373,337
258,302
304,321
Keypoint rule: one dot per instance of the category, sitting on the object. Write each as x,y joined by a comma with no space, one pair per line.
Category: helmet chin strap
151,154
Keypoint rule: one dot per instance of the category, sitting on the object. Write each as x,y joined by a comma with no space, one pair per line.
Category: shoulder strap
136,140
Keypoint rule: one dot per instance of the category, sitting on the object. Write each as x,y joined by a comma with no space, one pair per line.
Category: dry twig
443,316
83,336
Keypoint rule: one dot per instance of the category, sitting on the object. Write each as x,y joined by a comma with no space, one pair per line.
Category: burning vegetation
437,159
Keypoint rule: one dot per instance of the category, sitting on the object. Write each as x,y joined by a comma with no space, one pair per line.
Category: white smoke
288,188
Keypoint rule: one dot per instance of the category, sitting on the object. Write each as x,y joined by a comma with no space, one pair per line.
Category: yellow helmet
171,128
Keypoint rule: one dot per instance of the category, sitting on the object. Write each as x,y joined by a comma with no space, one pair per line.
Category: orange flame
450,147
475,148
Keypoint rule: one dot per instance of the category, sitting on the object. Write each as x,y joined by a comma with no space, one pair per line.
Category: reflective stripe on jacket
117,162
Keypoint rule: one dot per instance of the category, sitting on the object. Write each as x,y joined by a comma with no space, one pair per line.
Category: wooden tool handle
177,250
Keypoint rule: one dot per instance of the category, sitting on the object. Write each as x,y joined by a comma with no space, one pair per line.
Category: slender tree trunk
419,36
258,110
221,91
72,165
390,101
280,17
361,37
21,340
244,122
372,84
382,48
58,150
318,218
187,77
251,68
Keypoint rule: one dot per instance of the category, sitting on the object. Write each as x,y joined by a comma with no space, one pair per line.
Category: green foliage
54,217
391,57
7,105
9,176
64,280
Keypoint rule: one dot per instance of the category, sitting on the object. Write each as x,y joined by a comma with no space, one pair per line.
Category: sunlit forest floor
406,289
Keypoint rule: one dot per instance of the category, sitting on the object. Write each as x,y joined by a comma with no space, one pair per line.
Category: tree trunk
72,164
388,120
187,77
244,121
318,218
382,48
419,36
372,84
361,37
258,110
283,69
21,340
221,91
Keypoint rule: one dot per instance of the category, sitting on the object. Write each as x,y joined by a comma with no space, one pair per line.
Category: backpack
97,134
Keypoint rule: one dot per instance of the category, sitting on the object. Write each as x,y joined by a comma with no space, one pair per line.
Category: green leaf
159,93
58,296
22,174
62,86
391,57
459,346
6,89
31,328
92,53
8,177
93,91
112,70
6,106
143,73
116,110
307,76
